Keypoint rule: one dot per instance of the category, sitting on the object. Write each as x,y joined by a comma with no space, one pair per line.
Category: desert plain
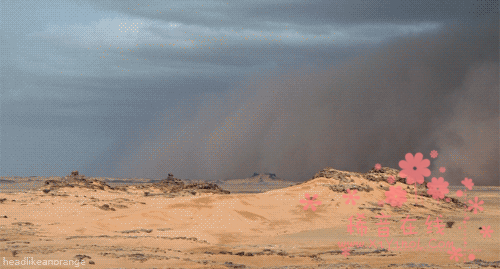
75,221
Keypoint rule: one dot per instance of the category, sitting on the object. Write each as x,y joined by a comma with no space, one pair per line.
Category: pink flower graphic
351,197
391,179
467,182
310,201
395,196
448,200
438,188
455,252
442,169
475,205
486,231
345,252
434,154
460,193
378,166
414,169
472,257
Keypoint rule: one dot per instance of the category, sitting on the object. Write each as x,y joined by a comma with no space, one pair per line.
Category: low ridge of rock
380,176
76,180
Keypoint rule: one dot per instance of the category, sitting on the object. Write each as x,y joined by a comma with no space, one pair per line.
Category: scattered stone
232,265
413,265
138,256
46,190
91,262
449,224
482,263
81,257
23,223
137,231
106,207
370,208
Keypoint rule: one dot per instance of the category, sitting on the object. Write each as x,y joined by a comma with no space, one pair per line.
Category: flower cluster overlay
414,168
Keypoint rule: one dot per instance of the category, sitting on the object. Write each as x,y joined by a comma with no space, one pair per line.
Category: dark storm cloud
309,14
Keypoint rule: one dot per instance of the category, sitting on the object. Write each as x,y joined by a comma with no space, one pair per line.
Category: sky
211,90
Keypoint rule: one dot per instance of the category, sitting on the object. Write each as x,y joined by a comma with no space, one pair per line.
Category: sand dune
209,228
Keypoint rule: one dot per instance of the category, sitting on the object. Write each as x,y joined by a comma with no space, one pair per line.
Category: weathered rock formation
168,185
380,176
76,180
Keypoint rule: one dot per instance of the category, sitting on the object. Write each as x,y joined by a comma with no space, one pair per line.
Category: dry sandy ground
125,229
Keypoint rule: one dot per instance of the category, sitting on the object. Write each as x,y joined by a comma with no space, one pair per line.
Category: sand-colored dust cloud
436,90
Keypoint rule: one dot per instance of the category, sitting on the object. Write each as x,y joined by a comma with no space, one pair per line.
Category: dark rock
231,265
106,207
207,187
23,223
495,264
76,180
46,191
412,265
81,257
137,231
91,262
138,256
449,224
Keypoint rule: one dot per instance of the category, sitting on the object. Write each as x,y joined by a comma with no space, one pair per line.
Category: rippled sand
127,229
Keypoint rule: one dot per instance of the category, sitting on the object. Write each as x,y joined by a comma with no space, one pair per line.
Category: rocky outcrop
172,185
345,187
168,185
380,176
76,180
